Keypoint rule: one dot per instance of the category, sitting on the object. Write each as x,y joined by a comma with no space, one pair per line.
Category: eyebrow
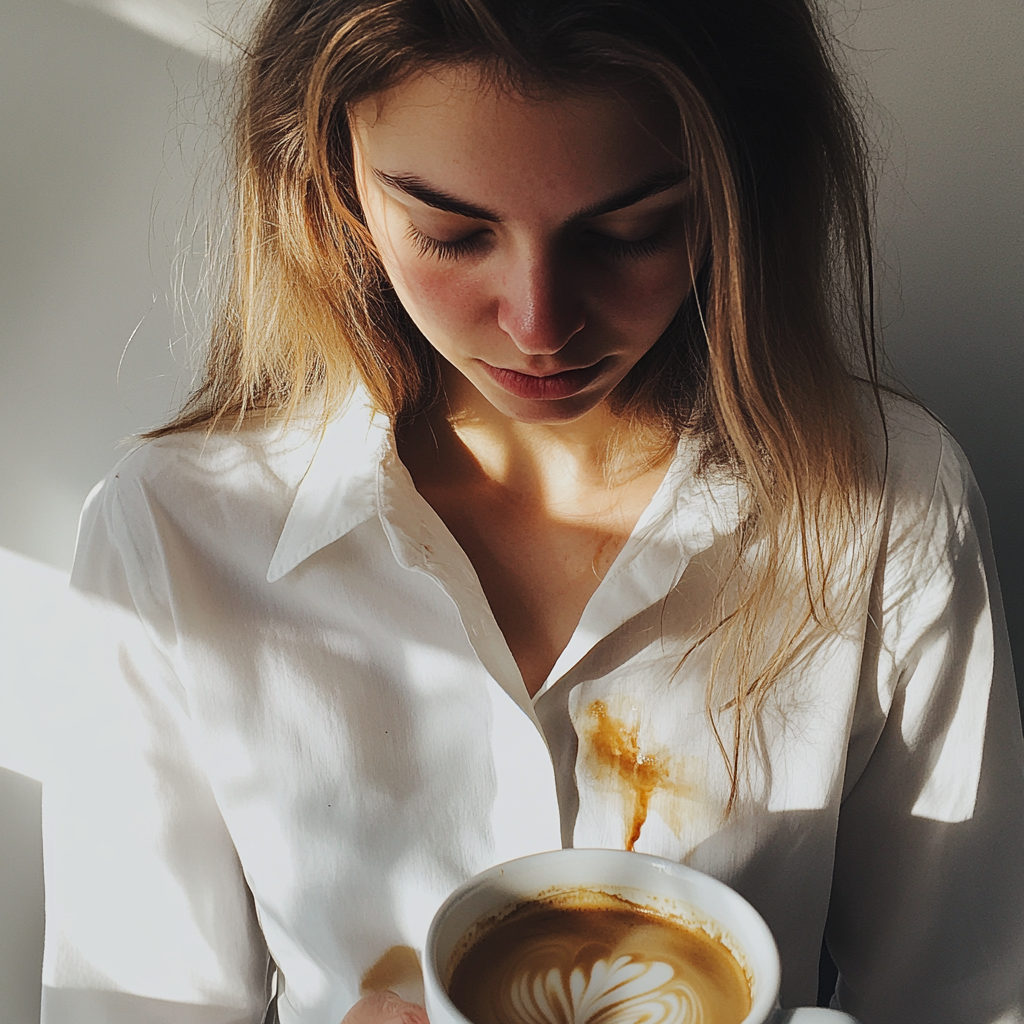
652,186
427,194
414,186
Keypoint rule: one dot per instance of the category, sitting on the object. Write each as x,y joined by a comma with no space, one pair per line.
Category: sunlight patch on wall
196,25
37,658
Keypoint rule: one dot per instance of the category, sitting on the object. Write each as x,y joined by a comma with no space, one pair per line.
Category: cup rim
766,979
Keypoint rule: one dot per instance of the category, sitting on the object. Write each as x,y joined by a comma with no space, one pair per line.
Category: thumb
385,1008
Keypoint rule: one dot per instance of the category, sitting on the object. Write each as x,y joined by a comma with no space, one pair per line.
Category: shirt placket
421,542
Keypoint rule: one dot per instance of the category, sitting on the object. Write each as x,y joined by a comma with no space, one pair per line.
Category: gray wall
96,165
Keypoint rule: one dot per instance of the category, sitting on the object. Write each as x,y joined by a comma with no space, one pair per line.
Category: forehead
542,153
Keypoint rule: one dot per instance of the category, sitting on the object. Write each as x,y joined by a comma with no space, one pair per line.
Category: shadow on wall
36,653
21,898
99,161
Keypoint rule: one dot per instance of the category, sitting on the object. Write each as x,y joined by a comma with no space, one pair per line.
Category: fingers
385,1008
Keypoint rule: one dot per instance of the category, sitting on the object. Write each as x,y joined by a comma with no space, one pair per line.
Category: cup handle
811,1015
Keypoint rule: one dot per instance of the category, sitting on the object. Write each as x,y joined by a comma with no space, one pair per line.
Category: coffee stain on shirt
640,772
398,969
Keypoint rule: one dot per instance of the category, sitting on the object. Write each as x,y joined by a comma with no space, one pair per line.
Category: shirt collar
338,491
687,513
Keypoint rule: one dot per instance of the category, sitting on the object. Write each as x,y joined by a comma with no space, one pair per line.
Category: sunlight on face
540,245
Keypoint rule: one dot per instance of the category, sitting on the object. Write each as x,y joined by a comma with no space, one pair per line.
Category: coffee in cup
506,904
583,956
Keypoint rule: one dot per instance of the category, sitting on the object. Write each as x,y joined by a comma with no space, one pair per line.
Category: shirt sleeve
926,921
148,916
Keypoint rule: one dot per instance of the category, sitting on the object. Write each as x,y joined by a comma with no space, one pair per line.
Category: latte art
625,991
598,960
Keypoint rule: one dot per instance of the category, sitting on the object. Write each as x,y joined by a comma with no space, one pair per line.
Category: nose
539,309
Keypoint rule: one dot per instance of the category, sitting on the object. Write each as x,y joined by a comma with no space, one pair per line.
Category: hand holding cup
385,1008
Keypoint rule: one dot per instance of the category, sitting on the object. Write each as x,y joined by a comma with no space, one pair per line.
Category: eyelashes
640,249
426,245
604,246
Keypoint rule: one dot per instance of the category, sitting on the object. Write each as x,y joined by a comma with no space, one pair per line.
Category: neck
465,438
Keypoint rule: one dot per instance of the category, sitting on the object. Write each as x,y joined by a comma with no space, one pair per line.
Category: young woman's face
540,245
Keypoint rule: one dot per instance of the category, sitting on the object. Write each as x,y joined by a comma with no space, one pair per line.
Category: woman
530,499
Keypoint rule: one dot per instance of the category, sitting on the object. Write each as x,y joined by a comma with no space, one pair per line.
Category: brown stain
638,772
398,969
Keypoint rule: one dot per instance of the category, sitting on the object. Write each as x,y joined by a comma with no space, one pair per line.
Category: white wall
93,187
96,173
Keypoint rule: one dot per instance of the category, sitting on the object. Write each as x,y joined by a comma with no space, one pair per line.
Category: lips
550,387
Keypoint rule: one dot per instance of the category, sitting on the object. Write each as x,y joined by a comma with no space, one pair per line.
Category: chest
367,691
539,563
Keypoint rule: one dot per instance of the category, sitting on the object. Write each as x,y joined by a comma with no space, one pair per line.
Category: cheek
649,293
438,298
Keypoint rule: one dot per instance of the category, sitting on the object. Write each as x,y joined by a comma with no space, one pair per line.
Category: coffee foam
621,990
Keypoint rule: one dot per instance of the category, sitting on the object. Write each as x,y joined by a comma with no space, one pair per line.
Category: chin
564,410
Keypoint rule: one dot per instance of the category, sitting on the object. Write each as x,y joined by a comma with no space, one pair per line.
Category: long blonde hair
758,361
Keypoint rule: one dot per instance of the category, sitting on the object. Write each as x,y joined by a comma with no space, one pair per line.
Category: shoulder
931,507
192,474
254,457
919,459
197,498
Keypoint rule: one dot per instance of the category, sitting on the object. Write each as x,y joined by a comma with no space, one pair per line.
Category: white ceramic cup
663,886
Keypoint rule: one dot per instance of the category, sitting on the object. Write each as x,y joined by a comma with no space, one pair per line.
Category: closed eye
627,249
595,242
441,249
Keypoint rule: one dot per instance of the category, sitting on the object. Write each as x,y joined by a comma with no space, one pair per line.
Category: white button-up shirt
306,728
